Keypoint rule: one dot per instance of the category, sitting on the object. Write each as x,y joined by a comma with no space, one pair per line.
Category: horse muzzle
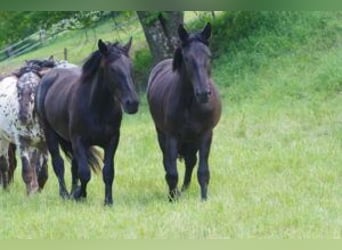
25,118
203,96
130,106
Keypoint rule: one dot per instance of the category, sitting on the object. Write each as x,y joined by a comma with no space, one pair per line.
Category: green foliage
142,65
273,35
149,17
17,25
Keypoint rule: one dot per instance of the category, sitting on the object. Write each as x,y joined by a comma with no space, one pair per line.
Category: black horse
185,107
80,108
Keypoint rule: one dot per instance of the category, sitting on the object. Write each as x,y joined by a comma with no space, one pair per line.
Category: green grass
275,161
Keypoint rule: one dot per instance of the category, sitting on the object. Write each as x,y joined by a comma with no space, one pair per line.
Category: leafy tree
16,25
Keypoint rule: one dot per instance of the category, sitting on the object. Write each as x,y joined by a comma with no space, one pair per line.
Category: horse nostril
203,93
131,106
203,96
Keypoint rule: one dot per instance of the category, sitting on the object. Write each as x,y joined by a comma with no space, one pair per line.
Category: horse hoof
64,195
108,203
184,188
32,191
78,195
174,195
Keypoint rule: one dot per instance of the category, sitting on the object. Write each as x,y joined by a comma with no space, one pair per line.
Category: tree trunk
160,30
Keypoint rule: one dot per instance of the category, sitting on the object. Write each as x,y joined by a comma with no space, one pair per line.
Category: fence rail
25,45
41,37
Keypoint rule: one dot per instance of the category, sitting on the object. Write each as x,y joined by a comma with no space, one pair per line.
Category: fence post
65,54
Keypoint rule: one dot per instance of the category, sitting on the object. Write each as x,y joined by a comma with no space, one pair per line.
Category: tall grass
275,161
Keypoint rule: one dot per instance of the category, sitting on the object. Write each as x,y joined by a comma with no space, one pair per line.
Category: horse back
54,95
161,89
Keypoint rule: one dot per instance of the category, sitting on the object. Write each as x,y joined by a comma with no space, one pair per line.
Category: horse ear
177,59
206,32
128,45
102,47
183,34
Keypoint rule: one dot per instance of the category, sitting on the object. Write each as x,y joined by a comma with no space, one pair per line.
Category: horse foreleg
170,165
190,162
108,171
74,176
203,174
4,178
12,161
42,169
80,154
57,161
29,174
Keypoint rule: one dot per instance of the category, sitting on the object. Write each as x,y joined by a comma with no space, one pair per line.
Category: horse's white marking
65,64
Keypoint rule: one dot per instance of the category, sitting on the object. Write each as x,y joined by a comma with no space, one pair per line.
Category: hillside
275,160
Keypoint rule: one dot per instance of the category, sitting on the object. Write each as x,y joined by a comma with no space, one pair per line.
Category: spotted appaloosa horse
185,106
20,126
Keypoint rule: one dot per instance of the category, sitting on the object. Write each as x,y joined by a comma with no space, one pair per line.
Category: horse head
192,58
26,87
117,68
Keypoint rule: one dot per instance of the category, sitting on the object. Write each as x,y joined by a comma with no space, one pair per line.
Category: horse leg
108,171
4,172
203,174
190,162
170,165
80,155
42,169
161,140
168,147
12,161
28,172
4,164
57,161
74,176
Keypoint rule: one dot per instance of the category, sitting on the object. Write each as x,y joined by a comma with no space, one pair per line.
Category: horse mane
25,69
42,63
92,63
34,66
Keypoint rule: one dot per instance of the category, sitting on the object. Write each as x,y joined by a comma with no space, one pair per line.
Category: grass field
276,159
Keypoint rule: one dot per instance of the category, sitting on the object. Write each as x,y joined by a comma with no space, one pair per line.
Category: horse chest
99,130
190,124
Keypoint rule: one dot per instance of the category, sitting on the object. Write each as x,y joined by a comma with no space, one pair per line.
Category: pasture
276,157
